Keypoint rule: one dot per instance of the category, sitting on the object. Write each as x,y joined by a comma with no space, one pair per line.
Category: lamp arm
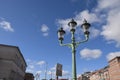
61,44
86,39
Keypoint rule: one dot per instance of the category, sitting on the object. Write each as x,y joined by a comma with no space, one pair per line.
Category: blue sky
32,26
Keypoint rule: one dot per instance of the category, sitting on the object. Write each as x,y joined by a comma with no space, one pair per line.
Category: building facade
114,69
102,74
85,76
110,72
12,63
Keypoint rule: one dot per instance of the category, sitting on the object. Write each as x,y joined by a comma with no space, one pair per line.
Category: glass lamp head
61,33
85,26
72,24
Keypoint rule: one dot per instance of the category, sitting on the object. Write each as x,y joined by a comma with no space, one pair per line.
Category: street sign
59,69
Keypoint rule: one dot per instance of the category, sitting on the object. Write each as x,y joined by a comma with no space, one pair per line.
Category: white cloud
94,32
29,70
45,30
53,73
90,54
90,17
6,25
38,72
41,63
65,73
64,23
31,66
111,28
53,68
112,55
34,66
108,4
50,72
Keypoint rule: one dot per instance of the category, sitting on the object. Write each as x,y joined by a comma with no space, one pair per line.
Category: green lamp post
72,24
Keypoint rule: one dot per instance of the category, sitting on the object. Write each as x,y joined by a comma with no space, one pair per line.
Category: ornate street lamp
72,24
86,27
61,33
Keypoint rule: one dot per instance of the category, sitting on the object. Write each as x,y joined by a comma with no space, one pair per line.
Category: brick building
110,72
102,74
114,68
